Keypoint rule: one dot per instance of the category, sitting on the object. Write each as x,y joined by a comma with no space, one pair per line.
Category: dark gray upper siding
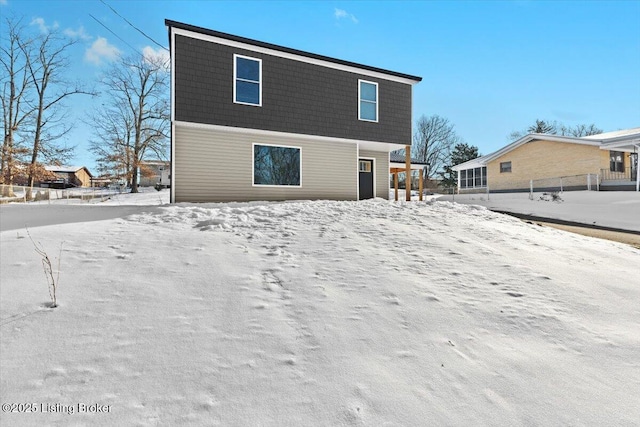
297,97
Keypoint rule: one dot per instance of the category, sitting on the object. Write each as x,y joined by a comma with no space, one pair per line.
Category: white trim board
366,145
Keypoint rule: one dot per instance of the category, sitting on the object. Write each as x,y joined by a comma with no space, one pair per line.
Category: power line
133,26
121,39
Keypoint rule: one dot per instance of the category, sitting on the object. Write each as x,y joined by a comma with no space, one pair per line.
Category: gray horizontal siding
382,171
297,97
217,166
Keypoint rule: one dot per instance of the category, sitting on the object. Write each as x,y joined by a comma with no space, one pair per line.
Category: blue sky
490,67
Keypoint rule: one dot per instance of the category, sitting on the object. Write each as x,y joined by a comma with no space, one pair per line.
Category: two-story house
257,121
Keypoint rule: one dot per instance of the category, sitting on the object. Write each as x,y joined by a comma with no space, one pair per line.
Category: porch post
407,180
395,184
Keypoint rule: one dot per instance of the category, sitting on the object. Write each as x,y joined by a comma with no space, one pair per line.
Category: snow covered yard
321,313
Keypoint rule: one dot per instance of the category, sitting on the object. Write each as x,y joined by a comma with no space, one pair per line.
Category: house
256,121
68,176
154,172
608,160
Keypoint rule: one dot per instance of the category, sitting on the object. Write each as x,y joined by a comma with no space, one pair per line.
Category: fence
19,194
590,182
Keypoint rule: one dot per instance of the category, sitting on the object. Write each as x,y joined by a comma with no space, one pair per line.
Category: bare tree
433,139
47,66
554,128
582,130
113,131
16,110
136,113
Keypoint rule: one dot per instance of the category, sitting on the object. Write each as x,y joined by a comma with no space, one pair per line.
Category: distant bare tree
16,110
582,130
433,140
113,130
134,120
47,64
554,128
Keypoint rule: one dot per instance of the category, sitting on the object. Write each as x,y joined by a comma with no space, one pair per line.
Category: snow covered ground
318,313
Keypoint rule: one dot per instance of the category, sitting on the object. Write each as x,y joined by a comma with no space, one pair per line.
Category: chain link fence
20,194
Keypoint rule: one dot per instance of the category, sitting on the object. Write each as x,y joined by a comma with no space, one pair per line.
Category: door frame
373,171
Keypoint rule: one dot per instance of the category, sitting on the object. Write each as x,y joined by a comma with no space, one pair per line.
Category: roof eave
188,27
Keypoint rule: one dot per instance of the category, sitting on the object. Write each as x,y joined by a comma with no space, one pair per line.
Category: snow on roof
66,169
615,134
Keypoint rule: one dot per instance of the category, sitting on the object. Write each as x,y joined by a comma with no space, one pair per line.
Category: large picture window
276,165
368,101
247,77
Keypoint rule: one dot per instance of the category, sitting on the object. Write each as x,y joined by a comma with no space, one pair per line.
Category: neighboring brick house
68,176
610,157
256,121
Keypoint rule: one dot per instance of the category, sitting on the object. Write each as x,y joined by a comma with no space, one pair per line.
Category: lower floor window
505,167
276,165
473,178
616,161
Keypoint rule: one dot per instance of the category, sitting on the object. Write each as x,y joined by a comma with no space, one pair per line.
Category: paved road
19,216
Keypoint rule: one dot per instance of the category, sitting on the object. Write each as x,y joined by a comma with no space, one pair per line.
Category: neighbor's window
473,178
247,76
368,105
616,161
276,165
505,167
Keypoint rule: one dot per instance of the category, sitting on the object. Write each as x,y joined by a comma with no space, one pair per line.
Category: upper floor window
368,101
505,167
247,77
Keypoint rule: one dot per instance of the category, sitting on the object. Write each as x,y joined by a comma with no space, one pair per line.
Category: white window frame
235,79
360,81
253,166
473,178
503,170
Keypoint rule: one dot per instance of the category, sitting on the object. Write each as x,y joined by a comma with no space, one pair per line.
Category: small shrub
51,277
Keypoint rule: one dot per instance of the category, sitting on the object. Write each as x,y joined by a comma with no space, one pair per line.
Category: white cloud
343,14
80,33
156,56
42,25
101,50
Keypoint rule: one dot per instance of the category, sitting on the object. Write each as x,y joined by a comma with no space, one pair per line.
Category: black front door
365,178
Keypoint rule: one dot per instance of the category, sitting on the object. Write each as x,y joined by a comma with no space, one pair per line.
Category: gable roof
187,27
622,139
